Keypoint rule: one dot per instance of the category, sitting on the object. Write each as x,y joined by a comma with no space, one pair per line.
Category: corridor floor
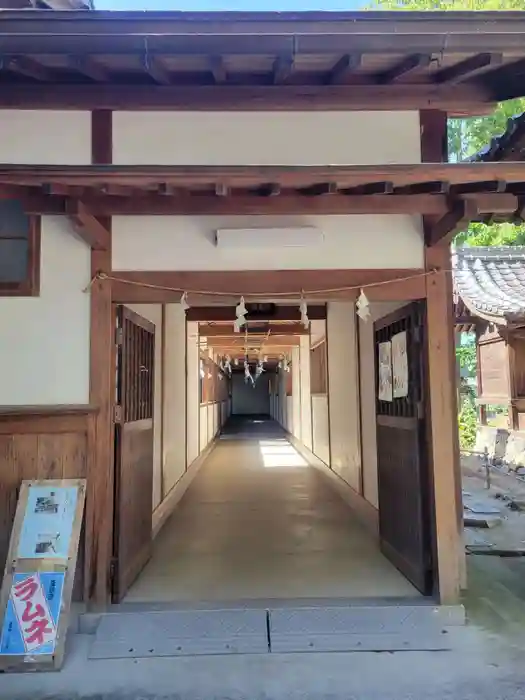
258,522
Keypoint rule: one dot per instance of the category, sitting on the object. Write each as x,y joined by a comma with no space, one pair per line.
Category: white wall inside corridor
343,392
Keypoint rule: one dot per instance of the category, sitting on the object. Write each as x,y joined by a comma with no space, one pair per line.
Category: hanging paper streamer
240,314
363,307
303,307
184,302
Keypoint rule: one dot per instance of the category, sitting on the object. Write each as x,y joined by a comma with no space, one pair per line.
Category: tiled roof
491,282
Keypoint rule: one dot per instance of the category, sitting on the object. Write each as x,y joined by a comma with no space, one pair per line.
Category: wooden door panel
134,449
403,470
135,501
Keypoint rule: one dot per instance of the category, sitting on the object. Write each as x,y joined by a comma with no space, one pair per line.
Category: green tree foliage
468,136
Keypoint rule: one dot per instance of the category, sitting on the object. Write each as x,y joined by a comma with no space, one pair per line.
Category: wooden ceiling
256,338
229,60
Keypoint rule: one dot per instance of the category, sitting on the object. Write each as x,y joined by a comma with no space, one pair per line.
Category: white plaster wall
174,434
343,388
296,394
266,138
321,437
367,376
153,313
45,137
44,341
192,392
306,402
203,427
211,422
188,243
288,415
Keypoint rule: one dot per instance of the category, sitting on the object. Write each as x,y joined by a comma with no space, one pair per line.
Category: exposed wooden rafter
218,69
89,67
408,65
468,68
156,70
344,67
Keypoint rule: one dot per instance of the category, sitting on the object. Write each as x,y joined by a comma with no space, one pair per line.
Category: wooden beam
461,214
92,231
261,286
439,187
468,68
262,204
344,67
275,330
100,494
206,314
218,69
406,66
464,99
250,176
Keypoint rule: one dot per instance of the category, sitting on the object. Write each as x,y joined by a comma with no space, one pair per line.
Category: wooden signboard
36,593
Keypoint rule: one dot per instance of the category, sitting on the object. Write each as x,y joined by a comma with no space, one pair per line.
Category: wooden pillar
513,384
99,502
444,439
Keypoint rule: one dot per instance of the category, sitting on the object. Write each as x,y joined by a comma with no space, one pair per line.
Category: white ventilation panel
274,238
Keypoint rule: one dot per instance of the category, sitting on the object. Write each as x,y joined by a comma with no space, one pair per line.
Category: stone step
259,630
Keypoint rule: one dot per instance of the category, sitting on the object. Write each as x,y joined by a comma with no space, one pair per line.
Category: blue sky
244,5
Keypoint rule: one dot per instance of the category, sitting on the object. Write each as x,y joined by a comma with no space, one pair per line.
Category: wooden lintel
93,232
206,314
457,219
276,330
468,68
465,99
268,201
262,285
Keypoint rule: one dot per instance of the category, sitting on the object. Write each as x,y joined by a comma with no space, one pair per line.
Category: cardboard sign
38,580
33,613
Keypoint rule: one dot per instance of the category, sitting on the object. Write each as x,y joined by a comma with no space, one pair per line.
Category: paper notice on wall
385,372
400,365
48,522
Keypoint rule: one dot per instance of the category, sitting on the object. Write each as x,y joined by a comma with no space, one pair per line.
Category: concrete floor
259,523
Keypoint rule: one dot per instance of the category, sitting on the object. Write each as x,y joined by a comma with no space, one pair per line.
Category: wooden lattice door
133,448
403,468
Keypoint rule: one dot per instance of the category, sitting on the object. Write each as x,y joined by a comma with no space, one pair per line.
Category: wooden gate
133,449
403,466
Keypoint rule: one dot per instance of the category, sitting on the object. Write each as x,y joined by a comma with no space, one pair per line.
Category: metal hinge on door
117,413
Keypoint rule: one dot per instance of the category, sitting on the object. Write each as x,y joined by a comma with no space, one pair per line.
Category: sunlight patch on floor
279,453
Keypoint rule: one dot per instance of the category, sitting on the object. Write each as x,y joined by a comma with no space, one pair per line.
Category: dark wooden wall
41,443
